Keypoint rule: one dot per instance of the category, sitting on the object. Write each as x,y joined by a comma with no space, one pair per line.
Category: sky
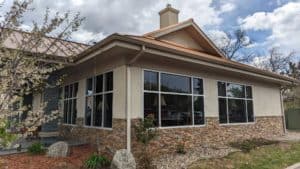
268,23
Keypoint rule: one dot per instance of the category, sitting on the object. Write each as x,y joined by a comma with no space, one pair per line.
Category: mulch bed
74,161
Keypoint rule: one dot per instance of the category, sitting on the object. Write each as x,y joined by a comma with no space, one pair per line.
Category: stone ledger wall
212,134
107,141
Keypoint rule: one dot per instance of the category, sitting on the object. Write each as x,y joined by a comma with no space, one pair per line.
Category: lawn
276,156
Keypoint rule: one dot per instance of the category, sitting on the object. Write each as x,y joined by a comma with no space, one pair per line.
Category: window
173,100
69,103
99,98
235,103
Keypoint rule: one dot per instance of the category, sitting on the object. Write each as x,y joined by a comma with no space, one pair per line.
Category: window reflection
88,110
69,100
151,106
170,101
235,90
236,111
108,110
150,80
176,110
198,86
175,83
235,105
222,88
198,110
99,99
97,116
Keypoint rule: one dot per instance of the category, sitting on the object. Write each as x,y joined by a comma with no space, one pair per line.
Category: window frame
159,92
103,93
237,98
63,99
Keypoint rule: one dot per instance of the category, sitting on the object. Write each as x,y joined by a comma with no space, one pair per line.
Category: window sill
236,124
178,127
72,125
100,128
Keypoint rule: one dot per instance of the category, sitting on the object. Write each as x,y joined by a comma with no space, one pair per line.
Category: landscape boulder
58,149
123,160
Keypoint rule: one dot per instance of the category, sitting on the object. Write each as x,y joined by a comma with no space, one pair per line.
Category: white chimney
168,16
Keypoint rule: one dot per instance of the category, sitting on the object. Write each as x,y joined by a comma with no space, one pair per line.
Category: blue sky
248,8
268,23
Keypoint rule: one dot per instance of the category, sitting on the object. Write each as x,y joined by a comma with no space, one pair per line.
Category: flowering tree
28,58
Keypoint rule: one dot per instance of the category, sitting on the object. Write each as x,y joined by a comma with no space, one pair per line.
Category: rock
123,160
58,149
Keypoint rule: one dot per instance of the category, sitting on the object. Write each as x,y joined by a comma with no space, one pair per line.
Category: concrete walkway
295,166
290,136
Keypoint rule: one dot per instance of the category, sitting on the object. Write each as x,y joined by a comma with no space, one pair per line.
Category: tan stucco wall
136,92
266,97
91,68
119,94
182,38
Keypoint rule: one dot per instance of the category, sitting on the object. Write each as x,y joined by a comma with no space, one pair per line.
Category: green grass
247,145
277,156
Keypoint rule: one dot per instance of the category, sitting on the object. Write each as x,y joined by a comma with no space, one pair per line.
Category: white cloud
227,7
87,37
128,16
219,37
283,22
260,61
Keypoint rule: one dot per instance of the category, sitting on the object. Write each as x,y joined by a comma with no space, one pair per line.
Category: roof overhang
125,42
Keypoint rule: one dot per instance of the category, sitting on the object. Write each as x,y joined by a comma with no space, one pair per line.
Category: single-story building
177,75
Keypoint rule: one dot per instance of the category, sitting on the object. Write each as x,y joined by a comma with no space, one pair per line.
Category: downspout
282,111
128,94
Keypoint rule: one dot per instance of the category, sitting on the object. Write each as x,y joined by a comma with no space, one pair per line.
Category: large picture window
99,98
173,100
235,103
69,103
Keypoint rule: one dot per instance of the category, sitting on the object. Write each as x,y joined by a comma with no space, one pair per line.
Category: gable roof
191,27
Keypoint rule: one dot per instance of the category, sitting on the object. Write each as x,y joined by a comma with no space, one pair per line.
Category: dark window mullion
159,99
93,100
103,99
193,111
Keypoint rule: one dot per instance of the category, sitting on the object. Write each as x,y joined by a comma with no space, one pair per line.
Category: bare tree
276,61
26,58
232,45
294,70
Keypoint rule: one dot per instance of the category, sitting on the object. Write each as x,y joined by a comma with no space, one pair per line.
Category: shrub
145,132
6,137
250,144
180,148
36,148
96,161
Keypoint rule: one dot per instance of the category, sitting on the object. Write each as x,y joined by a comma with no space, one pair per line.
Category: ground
277,156
24,160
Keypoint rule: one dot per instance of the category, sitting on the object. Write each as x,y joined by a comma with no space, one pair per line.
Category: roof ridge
168,27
